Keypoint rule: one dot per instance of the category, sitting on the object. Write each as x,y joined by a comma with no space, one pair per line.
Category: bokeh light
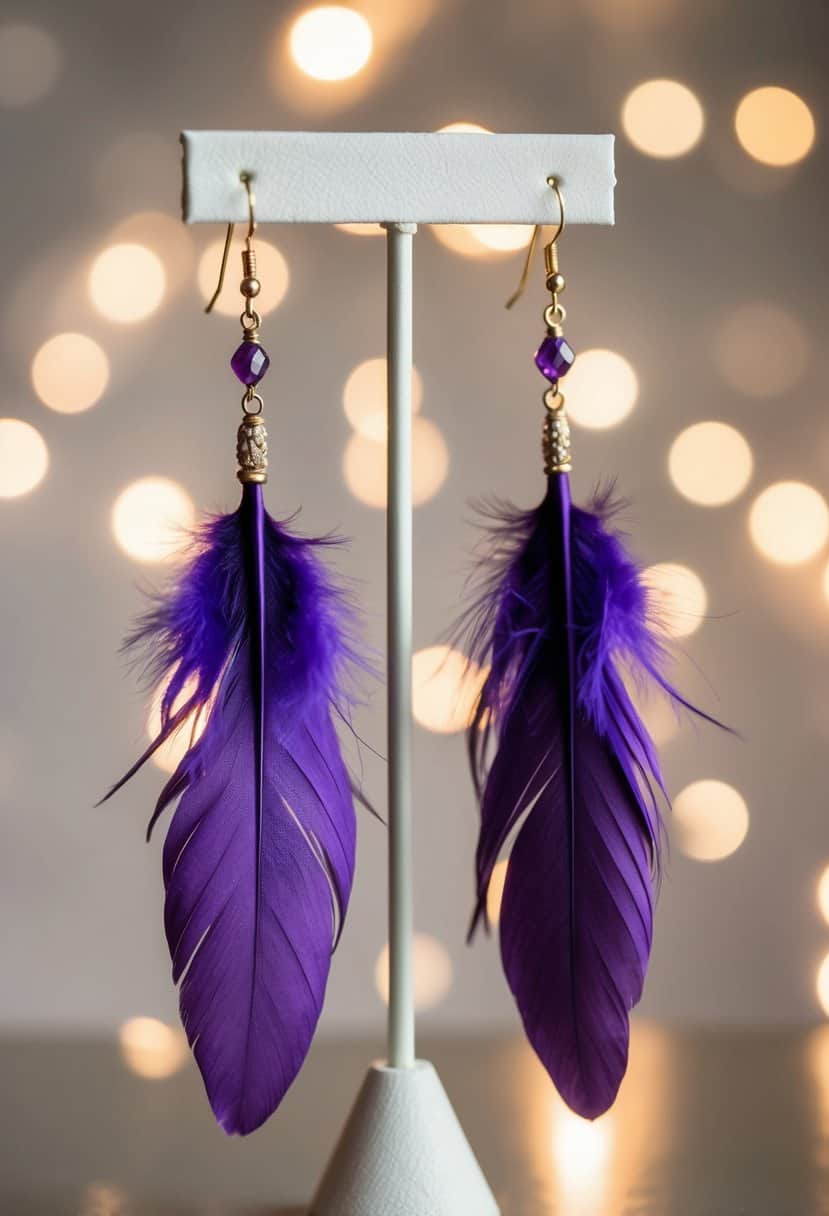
431,968
127,283
744,340
362,229
271,270
169,755
364,465
775,126
663,118
24,457
169,239
152,1049
461,239
364,398
70,372
789,522
502,238
495,891
104,1199
710,819
331,42
581,1150
151,517
823,894
464,128
710,463
678,597
826,583
601,389
30,61
480,240
822,985
654,707
445,689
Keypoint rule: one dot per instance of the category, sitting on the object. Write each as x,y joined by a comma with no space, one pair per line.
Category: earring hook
245,179
552,182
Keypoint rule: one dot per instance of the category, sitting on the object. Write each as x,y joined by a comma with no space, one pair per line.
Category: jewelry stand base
403,1153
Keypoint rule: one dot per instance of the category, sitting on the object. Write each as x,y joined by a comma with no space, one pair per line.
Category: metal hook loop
553,183
246,179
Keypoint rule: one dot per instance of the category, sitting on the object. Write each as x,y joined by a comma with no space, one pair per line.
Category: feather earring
258,862
563,766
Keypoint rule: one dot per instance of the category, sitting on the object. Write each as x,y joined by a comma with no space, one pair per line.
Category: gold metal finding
252,435
248,254
252,449
554,279
555,437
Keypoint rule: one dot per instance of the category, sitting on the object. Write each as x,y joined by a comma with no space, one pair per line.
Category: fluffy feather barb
259,857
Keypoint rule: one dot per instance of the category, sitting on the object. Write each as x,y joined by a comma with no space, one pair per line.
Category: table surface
720,1123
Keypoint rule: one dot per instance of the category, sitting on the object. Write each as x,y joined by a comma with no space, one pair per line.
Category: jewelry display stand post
399,575
402,1151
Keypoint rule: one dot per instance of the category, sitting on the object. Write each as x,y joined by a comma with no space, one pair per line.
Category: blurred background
700,382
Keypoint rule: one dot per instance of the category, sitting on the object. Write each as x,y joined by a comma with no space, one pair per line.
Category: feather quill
573,782
259,857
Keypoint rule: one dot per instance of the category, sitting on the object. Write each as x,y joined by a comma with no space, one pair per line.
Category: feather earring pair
256,641
258,862
567,776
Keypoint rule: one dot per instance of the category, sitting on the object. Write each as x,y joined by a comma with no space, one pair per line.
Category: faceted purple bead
250,362
554,357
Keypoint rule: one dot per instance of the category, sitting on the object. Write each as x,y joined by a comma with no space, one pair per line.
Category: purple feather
573,783
259,857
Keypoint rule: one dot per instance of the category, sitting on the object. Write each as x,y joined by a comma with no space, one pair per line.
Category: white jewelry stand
402,1151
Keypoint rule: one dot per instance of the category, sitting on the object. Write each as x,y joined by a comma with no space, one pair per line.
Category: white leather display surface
435,177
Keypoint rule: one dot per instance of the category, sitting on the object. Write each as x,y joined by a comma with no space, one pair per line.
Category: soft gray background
81,944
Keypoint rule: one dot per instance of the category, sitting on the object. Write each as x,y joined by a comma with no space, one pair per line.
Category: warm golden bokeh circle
365,398
70,373
678,597
710,463
330,42
775,126
600,389
151,518
127,283
822,985
431,967
151,1049
364,465
663,118
446,686
24,457
789,523
710,819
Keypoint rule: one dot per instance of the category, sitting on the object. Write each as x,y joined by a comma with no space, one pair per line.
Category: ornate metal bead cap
252,449
555,440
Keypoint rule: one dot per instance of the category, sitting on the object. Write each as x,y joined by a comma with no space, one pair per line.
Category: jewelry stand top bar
440,177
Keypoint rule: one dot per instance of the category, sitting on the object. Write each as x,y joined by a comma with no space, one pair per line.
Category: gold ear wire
245,179
550,252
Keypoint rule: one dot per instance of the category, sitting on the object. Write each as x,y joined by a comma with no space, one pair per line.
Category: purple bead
250,362
554,357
